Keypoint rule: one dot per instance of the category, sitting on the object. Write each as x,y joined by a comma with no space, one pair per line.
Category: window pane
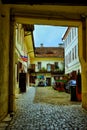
39,65
48,67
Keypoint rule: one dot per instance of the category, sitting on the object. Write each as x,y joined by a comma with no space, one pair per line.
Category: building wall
44,72
23,39
20,50
4,61
71,51
45,61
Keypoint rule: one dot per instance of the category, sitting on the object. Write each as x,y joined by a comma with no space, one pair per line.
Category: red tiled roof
49,52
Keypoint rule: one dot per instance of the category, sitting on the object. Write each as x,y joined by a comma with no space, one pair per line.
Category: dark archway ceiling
51,2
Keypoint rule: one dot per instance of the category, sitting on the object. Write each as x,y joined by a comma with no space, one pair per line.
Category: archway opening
49,17
73,49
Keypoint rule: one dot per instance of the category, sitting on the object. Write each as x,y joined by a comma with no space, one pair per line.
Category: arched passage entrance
49,15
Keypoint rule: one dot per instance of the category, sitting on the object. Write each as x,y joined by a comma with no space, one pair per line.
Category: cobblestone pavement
31,116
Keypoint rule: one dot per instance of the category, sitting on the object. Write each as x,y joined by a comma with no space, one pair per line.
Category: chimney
41,44
60,45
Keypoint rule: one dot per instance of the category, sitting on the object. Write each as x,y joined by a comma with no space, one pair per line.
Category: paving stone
3,124
37,116
7,119
2,128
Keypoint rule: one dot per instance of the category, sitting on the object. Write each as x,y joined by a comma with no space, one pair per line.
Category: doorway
48,81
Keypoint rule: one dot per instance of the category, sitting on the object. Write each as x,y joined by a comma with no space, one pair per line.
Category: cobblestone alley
37,116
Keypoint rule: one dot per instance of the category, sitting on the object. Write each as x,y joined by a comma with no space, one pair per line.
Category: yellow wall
45,61
4,61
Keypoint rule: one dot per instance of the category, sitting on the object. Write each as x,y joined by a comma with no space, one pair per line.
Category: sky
50,36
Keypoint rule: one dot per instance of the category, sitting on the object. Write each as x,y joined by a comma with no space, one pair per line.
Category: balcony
31,70
57,72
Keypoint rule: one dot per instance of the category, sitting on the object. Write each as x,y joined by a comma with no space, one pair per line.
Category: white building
70,40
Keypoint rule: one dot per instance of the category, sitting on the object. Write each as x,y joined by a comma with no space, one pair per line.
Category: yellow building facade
45,68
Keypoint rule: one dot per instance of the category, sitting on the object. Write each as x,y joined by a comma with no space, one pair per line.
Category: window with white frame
69,56
72,33
39,65
48,67
75,51
56,65
72,53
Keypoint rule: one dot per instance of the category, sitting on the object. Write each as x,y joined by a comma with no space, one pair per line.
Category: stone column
4,60
84,65
12,66
83,59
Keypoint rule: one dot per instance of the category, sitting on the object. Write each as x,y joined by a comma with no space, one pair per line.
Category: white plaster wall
74,64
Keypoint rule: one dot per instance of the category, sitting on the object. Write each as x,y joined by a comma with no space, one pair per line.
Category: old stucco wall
4,61
83,59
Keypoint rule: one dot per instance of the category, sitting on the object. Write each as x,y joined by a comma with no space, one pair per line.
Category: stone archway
41,14
55,20
63,19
